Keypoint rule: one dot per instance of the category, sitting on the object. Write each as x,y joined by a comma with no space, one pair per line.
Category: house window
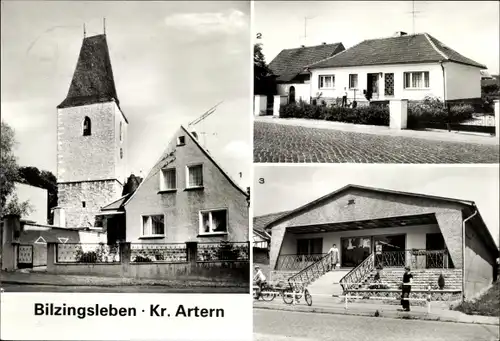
87,126
213,222
416,80
195,176
121,153
121,132
389,84
181,140
353,81
153,225
84,204
327,82
169,179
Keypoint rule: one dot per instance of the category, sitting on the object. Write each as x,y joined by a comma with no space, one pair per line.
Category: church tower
91,138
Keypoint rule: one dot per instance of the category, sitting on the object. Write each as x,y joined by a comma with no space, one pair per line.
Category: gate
479,123
24,256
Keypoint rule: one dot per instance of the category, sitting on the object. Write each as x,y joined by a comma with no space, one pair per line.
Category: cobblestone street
286,143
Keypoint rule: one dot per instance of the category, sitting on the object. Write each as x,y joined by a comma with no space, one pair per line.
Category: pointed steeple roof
93,80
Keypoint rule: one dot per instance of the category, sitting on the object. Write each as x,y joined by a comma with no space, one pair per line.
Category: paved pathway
270,325
289,142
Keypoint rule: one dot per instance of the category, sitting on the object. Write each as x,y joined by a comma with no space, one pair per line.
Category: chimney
400,34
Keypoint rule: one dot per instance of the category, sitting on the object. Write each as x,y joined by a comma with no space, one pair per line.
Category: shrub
441,282
372,115
142,259
432,109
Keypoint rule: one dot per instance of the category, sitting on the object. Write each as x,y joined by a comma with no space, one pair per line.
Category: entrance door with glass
355,250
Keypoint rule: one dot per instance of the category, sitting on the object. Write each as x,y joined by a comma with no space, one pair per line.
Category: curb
383,314
120,285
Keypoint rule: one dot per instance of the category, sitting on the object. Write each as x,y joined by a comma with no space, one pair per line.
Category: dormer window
87,126
181,140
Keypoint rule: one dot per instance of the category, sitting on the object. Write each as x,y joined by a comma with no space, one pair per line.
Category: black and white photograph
126,148
372,252
250,170
376,82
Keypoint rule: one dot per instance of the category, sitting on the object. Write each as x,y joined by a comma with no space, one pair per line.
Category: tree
43,179
264,80
8,171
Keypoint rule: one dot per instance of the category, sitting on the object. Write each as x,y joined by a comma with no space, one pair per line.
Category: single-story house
400,67
372,226
289,69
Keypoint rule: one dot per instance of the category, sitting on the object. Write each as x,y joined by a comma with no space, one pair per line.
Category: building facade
91,138
405,66
186,197
392,229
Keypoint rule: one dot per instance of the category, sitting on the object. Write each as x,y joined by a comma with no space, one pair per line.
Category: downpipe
444,91
463,252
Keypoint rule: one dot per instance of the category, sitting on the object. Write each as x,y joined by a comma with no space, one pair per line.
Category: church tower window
87,126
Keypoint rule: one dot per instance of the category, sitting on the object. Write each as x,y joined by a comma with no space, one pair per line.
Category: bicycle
292,294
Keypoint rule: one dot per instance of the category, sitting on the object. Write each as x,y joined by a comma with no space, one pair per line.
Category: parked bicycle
286,291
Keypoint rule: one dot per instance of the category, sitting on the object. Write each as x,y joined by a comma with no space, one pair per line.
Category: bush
142,259
432,109
371,115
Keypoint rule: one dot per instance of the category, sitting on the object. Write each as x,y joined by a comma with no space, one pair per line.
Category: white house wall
302,90
436,88
462,81
415,237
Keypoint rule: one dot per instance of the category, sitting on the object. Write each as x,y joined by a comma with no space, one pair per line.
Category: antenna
104,25
205,114
84,31
413,13
305,28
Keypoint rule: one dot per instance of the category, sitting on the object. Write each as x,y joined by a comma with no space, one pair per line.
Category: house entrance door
372,84
354,250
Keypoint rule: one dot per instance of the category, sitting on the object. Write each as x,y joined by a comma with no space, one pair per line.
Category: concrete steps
326,284
421,278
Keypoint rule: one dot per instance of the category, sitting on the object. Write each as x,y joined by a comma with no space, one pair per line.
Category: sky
469,27
291,187
172,61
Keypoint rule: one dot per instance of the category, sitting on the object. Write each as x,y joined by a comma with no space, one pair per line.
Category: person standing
334,253
406,289
344,98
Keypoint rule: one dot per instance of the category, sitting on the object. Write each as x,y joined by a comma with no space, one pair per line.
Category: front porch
415,241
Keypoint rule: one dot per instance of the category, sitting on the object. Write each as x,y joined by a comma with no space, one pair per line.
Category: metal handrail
370,260
294,283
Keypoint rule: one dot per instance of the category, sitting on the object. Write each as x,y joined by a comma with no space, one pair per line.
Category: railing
311,273
297,262
415,258
156,252
223,252
359,273
87,253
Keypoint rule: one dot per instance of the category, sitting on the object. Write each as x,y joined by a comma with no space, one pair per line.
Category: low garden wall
216,262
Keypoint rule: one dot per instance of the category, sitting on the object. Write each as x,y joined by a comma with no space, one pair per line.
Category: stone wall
95,194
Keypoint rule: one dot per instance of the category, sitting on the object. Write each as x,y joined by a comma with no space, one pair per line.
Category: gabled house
289,68
401,67
377,227
186,197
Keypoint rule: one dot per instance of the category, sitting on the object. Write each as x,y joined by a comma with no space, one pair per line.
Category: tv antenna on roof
201,118
305,28
413,13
